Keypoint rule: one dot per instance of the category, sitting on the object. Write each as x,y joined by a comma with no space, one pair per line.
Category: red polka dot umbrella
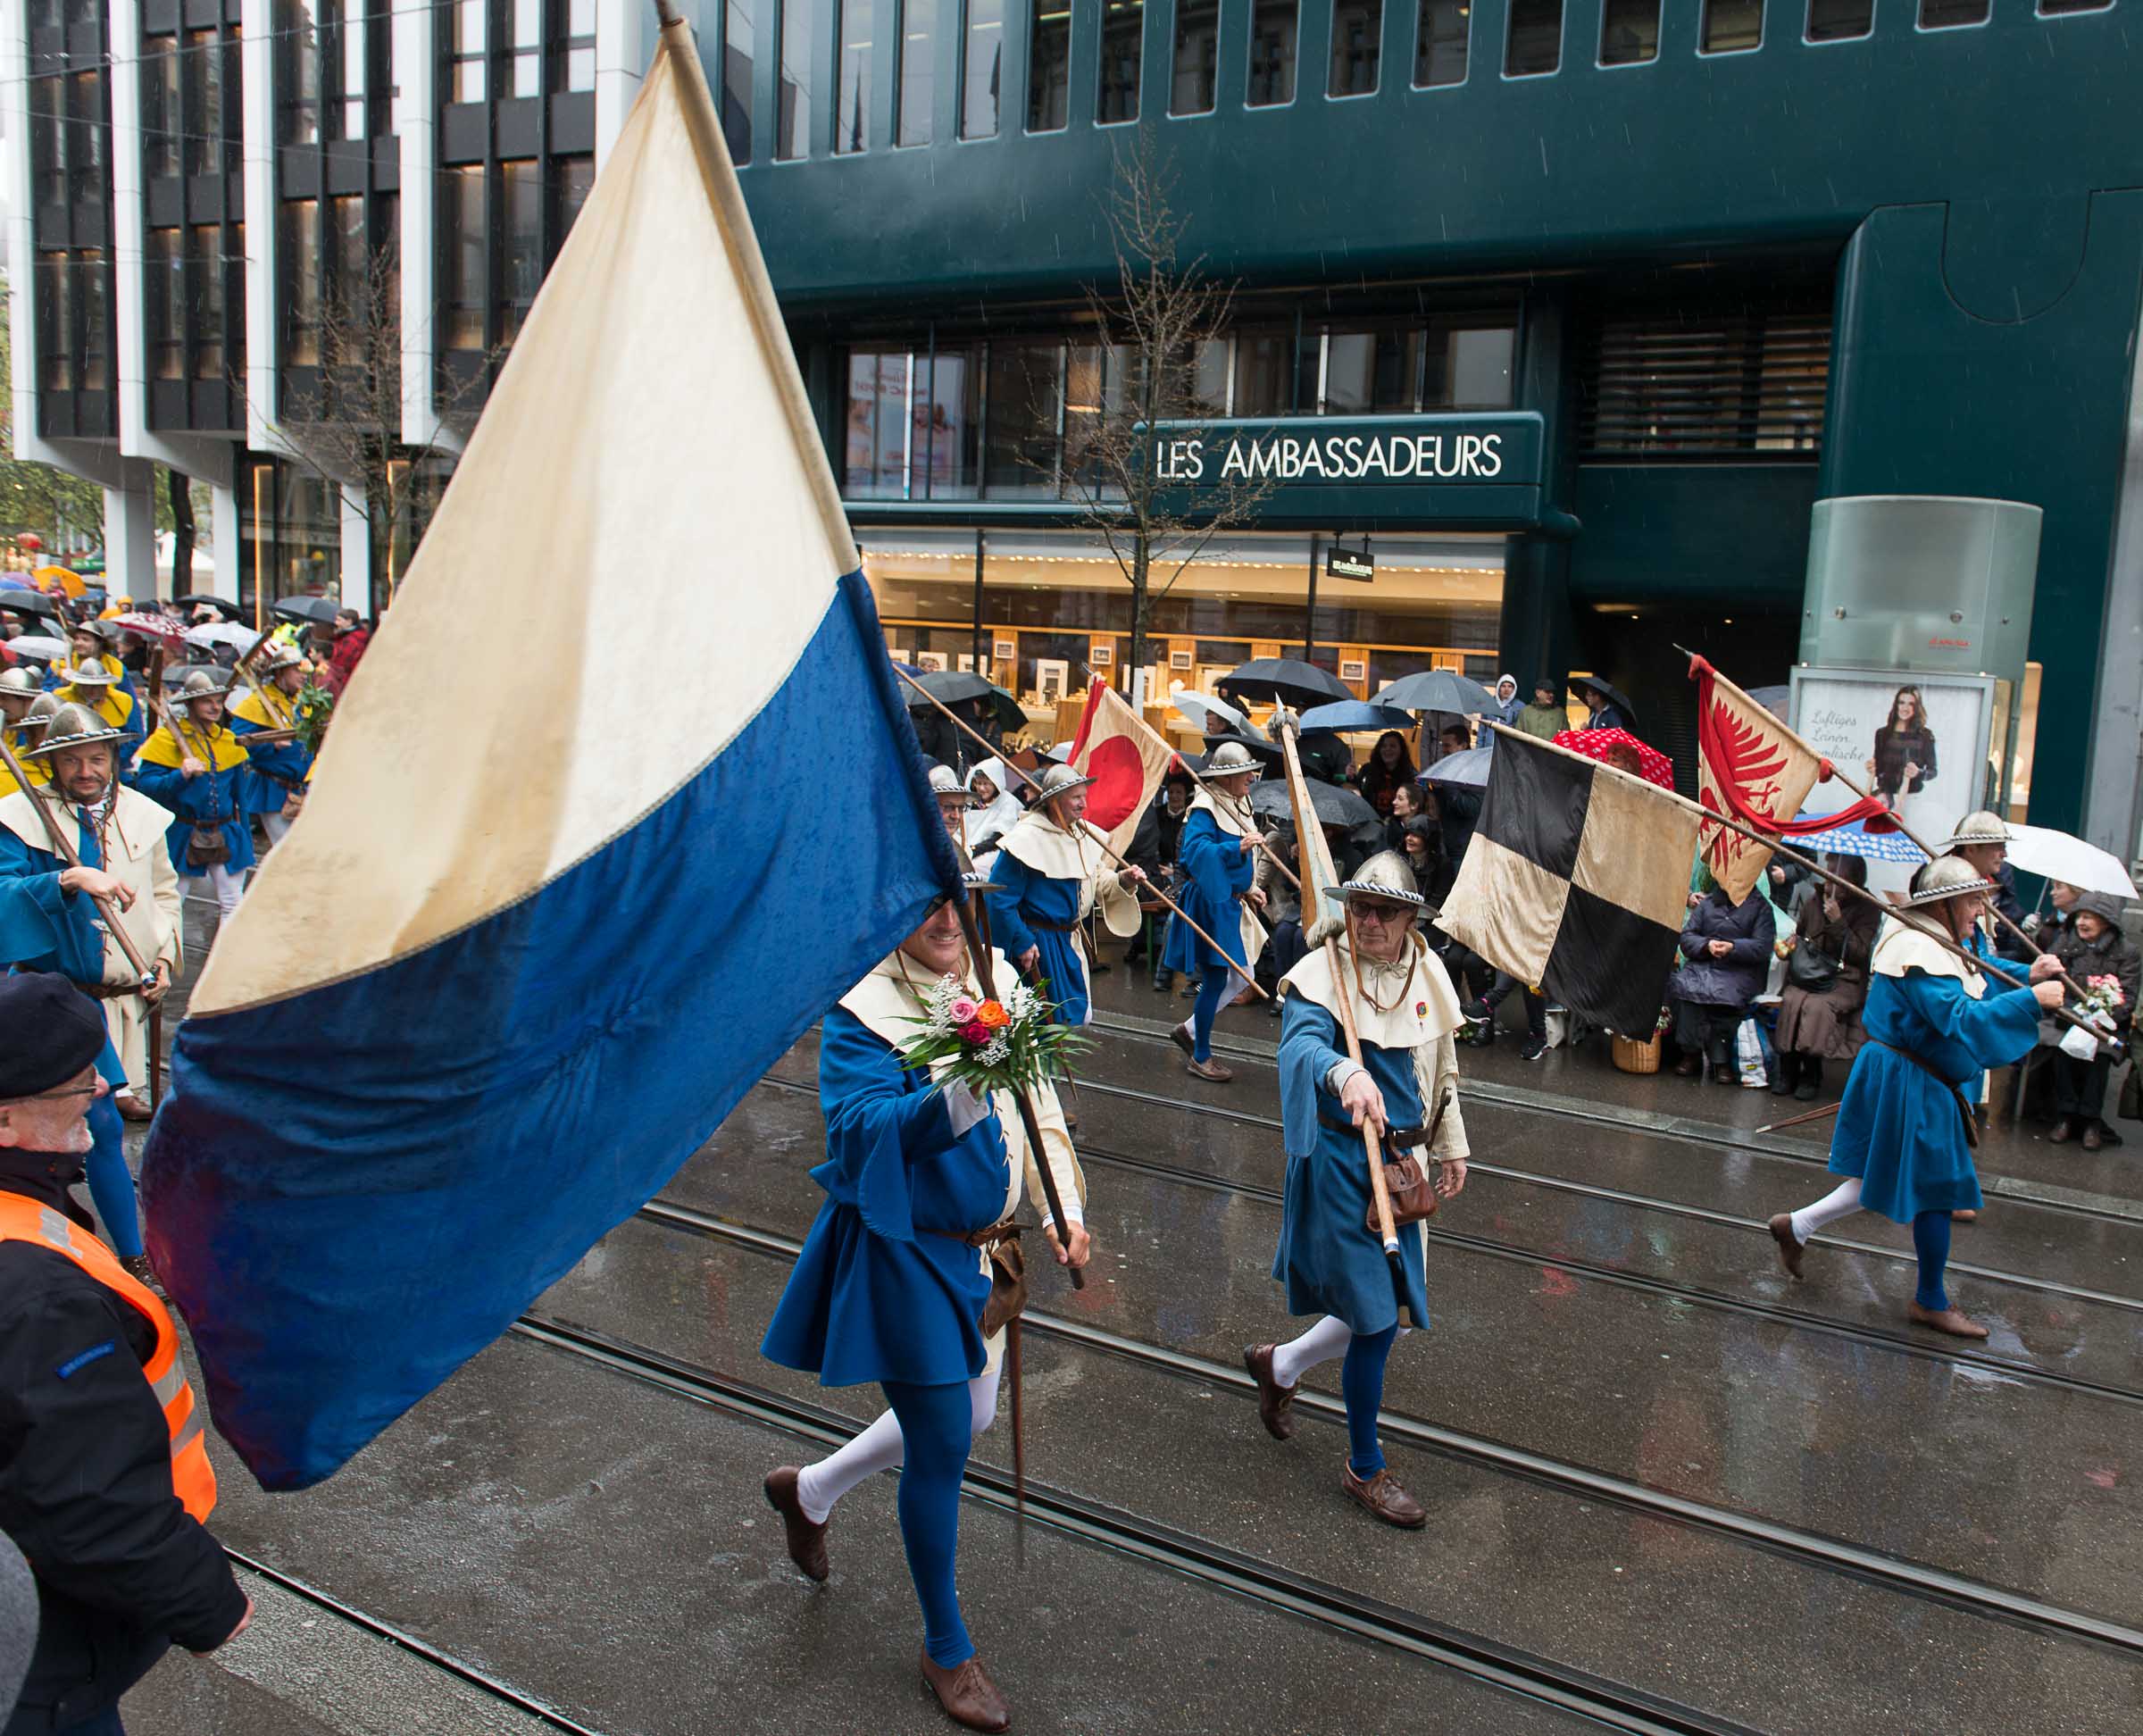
1600,744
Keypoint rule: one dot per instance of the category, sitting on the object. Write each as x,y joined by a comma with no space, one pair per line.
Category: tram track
1608,1703
1914,1579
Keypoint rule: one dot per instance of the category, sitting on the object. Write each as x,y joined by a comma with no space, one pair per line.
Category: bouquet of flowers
991,1045
2102,995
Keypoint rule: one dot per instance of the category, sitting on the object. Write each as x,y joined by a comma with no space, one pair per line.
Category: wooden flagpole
961,724
1299,795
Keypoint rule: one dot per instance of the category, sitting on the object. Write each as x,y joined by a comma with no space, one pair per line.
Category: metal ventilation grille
1742,381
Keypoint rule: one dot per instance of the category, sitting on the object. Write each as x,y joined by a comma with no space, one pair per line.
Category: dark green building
1711,262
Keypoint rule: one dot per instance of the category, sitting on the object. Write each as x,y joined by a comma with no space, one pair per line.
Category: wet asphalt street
1668,1489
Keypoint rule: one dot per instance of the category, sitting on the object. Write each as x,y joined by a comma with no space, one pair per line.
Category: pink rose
962,1010
974,1031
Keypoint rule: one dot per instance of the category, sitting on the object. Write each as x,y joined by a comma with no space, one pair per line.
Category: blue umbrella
1353,716
1856,840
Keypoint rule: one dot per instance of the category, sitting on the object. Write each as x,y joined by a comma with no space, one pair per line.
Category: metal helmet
946,785
279,659
1385,876
1231,759
72,726
91,674
1945,878
201,685
19,681
1060,780
42,710
1983,827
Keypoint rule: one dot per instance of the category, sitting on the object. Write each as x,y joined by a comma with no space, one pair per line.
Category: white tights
1841,1201
878,1447
1329,1337
224,885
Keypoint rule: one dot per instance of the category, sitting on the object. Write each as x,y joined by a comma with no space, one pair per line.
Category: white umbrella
1203,708
36,645
2042,850
222,633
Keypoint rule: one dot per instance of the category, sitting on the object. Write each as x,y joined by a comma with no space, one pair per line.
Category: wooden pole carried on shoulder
961,724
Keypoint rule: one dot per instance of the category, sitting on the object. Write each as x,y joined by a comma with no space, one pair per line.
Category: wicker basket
1632,1057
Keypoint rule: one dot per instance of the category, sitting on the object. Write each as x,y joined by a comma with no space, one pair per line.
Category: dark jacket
1154,845
1894,750
2113,955
1850,940
1737,979
123,1572
2006,942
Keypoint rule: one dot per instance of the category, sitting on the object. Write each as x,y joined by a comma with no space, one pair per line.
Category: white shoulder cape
1901,947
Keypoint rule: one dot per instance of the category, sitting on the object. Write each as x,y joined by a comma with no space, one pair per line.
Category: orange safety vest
193,1478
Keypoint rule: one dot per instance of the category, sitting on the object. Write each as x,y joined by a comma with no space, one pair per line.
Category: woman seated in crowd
1826,981
2091,944
1390,769
1725,955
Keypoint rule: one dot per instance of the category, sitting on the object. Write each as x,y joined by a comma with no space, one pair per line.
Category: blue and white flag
549,911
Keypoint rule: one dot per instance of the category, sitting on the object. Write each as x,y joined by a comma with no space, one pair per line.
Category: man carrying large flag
462,1026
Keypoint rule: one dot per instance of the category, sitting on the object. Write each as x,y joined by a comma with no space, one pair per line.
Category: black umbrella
1288,680
951,686
1333,806
223,606
1611,693
1263,751
1438,690
32,602
317,609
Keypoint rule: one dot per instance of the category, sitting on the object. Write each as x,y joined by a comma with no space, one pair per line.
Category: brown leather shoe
1385,1500
1688,1066
2062,1131
1184,1040
131,1107
806,1539
2094,1137
1789,1249
1950,1321
967,1694
1212,1071
1275,1402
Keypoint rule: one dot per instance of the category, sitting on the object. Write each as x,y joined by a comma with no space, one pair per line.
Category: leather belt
1003,1231
109,991
1395,1139
1972,1129
1052,928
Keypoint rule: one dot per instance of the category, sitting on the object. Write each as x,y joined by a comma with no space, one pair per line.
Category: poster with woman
1917,743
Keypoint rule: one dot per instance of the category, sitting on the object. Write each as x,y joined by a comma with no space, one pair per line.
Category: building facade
282,246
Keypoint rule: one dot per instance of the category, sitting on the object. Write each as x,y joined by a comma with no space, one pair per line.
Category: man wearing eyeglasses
105,1478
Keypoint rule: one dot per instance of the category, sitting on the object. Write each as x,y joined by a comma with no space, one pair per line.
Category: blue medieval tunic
1330,1260
1050,880
272,774
1899,1130
875,1295
210,799
1213,872
41,927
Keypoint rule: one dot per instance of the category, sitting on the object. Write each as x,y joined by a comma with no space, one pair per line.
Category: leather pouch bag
207,847
1407,1181
1007,1285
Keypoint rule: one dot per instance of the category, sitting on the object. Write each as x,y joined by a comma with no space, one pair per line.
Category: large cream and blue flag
619,800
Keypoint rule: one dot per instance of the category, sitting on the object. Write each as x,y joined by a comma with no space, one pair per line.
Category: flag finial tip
666,14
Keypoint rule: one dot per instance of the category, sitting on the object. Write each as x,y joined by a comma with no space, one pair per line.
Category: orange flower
993,1015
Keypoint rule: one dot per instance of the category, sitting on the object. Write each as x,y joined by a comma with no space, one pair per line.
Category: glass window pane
205,271
947,447
465,267
350,29
792,118
1629,32
1022,454
573,177
1947,14
1535,44
1357,33
1049,65
299,246
204,56
469,42
1730,27
2055,8
298,38
1271,54
1469,368
55,322
852,80
351,325
1191,87
737,47
1122,40
877,459
160,117
1440,42
1371,371
86,124
913,77
522,261
95,297
165,280
982,67
1834,20
527,57
1263,359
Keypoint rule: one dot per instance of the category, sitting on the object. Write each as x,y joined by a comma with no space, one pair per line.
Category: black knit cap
49,1032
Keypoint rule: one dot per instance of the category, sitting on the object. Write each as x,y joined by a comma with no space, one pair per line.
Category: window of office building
573,179
164,275
1264,362
574,44
48,140
298,84
55,322
1947,14
353,322
298,245
1357,33
1629,32
1021,459
913,77
852,80
876,466
161,120
792,111
206,269
1730,27
1746,378
737,48
2056,8
1192,86
1371,371
521,74
521,243
210,66
352,85
465,256
1535,43
93,334
981,68
1271,54
1466,364
1049,65
1122,36
87,125
1837,20
466,82
1440,42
